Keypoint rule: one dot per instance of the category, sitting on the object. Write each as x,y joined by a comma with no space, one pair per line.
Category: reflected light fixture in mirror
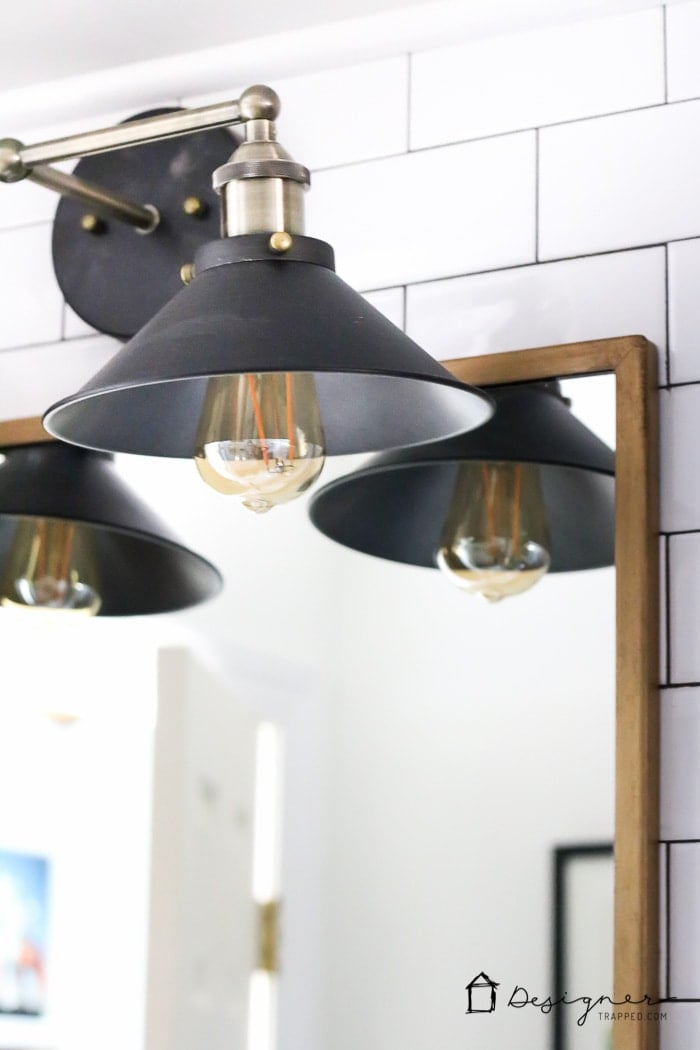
76,542
266,362
531,491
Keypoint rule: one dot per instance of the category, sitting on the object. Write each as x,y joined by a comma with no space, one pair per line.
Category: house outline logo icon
481,992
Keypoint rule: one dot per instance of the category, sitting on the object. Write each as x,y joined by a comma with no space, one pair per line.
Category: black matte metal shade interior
248,311
395,507
142,568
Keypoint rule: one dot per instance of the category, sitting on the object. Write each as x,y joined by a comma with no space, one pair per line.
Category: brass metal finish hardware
103,202
17,161
187,273
268,936
194,206
281,242
92,224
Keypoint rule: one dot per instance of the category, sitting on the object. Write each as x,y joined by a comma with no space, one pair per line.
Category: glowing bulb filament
48,567
260,437
495,540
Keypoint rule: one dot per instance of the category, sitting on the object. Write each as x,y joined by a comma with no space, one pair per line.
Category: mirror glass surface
437,750
471,740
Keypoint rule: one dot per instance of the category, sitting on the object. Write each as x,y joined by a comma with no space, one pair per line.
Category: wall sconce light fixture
266,361
75,540
530,491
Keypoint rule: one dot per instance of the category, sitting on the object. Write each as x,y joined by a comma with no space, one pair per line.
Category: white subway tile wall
529,79
36,376
680,1026
390,302
542,305
615,182
680,463
663,617
334,117
454,233
31,305
684,956
429,214
663,917
27,203
680,756
684,311
683,43
74,326
684,558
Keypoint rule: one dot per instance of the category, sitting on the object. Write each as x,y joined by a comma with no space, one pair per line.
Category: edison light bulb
260,437
50,566
495,540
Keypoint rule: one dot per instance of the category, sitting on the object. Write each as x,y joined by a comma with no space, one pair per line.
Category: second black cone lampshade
396,507
73,537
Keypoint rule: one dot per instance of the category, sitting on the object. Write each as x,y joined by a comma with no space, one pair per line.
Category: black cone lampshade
396,507
73,536
251,311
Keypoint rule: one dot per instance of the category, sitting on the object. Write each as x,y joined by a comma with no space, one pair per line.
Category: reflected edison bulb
260,437
495,539
50,567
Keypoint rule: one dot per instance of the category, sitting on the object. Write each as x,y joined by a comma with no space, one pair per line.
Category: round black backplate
117,279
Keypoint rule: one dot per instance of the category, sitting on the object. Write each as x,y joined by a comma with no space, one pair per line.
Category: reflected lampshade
396,506
73,536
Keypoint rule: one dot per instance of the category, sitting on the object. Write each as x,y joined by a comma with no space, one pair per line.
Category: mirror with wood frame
489,737
427,734
632,361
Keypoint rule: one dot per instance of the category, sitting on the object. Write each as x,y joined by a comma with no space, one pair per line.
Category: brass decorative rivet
92,224
281,242
187,273
195,207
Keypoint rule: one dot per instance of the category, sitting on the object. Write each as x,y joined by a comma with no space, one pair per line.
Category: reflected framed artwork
24,887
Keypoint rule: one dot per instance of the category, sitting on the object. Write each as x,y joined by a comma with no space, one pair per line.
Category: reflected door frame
633,361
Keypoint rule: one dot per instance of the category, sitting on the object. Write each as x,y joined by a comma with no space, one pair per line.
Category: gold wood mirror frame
633,360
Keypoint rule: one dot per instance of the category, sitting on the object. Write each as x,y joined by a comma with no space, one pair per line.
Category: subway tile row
680,923
507,309
505,83
32,378
472,208
683,572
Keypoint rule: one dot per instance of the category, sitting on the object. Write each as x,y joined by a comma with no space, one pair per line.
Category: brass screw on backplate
187,273
195,207
281,242
92,224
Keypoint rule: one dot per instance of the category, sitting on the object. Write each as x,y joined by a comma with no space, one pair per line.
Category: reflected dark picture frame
563,860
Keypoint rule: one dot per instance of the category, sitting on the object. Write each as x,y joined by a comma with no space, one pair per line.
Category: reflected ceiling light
74,540
266,362
531,491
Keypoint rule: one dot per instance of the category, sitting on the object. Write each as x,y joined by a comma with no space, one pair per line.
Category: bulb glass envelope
139,567
247,311
396,506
